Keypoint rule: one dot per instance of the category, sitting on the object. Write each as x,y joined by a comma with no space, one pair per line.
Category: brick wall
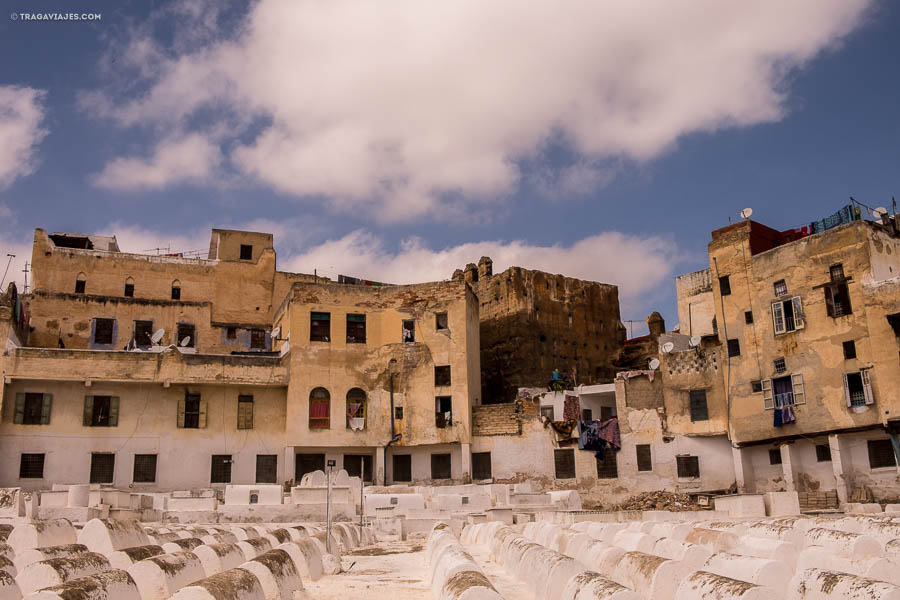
496,419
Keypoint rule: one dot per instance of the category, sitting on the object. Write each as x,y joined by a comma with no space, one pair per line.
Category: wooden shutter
181,413
798,389
45,410
20,408
768,398
867,386
847,390
202,419
113,411
245,413
778,317
799,317
88,418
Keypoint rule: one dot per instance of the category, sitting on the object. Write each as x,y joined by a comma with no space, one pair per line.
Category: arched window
80,283
319,409
356,409
176,290
129,287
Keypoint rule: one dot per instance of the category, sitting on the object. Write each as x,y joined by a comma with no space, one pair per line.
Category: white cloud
139,240
636,264
21,115
181,159
397,107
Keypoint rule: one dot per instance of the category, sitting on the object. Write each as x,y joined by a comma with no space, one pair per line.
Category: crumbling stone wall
533,322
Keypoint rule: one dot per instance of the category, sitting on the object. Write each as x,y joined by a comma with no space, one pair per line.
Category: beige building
172,372
810,326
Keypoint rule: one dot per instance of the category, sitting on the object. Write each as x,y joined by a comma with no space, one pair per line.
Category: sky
400,140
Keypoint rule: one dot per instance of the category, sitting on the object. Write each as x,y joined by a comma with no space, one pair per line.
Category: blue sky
401,144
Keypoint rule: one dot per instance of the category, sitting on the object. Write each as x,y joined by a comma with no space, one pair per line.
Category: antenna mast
25,270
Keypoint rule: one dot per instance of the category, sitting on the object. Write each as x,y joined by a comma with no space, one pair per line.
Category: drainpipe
395,437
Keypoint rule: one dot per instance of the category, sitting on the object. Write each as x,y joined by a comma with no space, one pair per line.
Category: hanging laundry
787,415
609,431
777,415
571,408
563,429
589,437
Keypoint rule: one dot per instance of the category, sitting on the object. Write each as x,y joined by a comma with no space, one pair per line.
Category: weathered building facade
534,322
166,372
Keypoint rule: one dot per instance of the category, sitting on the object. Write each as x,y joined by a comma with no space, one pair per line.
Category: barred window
734,348
688,466
358,465
481,465
257,339
440,466
31,466
402,467
102,467
699,408
607,468
564,463
881,454
221,469
103,331
144,468
266,468
644,457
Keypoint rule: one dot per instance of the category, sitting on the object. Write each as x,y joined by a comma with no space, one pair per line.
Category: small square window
748,317
698,407
849,350
564,462
320,327
780,366
836,272
129,290
441,321
33,409
231,333
257,339
440,466
356,329
587,414
246,252
481,465
774,456
443,412
644,458
687,466
547,412
402,467
724,285
220,471
881,454
144,468
31,466
102,467
734,348
780,287
79,286
756,386
266,468
442,376
176,293
143,330
409,331
607,467
103,331
187,335
823,453
398,412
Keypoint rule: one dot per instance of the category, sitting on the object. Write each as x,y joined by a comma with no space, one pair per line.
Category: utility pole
8,260
331,464
25,270
362,490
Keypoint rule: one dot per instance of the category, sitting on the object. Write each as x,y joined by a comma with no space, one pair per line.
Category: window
748,317
245,412
187,335
442,376
144,468
481,465
724,285
607,467
547,412
33,409
836,272
246,252
837,300
783,391
101,411
358,465
102,467
756,386
307,463
774,456
734,348
443,412
80,283
320,327
587,414
103,331
398,412
699,409
220,471
607,412
858,388
787,315
409,332
266,468
564,463
644,458
231,333
356,409
191,412
176,290
779,365
143,330
881,454
31,466
849,350
688,466
257,339
894,322
440,466
129,288
356,329
319,409
441,321
823,453
402,467
780,288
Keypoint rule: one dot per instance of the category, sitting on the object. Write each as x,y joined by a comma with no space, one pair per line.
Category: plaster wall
695,303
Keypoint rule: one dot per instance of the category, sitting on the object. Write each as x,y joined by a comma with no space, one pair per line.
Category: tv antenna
25,270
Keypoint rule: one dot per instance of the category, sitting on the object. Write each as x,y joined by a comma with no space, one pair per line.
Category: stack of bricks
812,501
496,419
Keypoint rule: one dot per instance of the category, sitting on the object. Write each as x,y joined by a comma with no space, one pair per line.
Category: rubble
659,500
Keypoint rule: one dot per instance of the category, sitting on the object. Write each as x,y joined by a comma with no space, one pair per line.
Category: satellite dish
654,363
695,341
157,335
274,333
185,341
746,213
668,347
879,212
